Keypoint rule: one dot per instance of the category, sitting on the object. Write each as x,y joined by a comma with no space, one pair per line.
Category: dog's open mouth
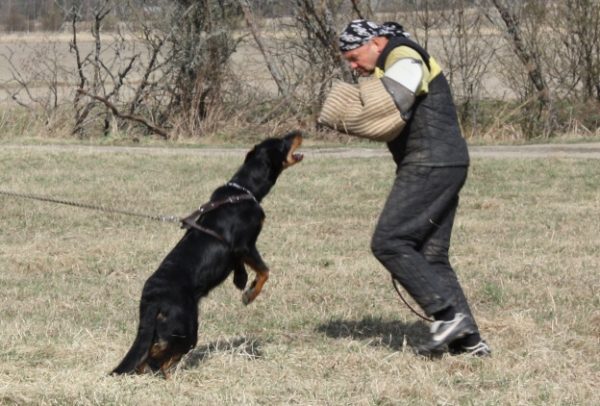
293,156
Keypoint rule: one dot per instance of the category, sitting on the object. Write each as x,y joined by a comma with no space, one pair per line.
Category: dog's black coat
168,326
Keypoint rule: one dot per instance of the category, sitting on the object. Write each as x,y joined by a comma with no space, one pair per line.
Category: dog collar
235,185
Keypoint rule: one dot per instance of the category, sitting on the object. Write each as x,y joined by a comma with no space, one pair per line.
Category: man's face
364,58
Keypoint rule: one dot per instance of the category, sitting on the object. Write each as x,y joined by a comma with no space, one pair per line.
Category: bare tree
523,48
425,17
103,80
574,60
467,53
177,80
316,45
577,28
37,74
527,47
264,49
202,44
528,52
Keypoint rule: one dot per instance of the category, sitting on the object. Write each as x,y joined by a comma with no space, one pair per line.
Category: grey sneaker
481,349
445,332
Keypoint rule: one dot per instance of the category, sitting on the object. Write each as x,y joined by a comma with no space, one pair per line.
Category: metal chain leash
164,219
169,219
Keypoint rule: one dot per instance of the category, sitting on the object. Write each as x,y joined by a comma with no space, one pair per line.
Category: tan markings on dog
158,348
167,364
290,160
262,275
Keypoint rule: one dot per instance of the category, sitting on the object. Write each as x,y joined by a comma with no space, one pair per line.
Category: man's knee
384,246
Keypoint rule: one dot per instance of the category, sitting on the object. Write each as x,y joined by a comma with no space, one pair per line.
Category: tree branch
134,117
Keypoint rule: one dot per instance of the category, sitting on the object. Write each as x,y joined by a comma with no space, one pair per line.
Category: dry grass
329,329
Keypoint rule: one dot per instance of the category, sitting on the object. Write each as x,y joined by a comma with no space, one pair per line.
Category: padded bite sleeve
367,110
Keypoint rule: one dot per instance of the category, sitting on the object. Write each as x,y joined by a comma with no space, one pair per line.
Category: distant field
328,329
35,55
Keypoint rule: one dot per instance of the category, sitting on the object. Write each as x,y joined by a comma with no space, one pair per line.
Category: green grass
328,328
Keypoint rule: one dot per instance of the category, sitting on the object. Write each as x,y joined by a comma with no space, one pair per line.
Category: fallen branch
134,117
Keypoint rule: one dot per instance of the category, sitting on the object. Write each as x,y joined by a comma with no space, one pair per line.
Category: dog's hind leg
137,356
176,334
142,368
167,364
254,261
240,276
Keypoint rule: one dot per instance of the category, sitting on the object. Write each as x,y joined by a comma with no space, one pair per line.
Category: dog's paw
248,297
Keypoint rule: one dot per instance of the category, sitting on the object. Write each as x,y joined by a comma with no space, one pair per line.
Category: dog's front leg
240,276
254,261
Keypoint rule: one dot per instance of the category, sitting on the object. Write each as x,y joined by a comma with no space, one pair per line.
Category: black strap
395,42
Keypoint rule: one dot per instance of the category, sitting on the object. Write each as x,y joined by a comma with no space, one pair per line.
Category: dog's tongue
298,157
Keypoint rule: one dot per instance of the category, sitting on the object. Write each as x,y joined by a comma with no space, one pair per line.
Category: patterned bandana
359,32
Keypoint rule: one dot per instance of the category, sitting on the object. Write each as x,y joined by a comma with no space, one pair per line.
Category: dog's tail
138,353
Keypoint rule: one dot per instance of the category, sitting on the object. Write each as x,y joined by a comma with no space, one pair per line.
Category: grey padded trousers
412,237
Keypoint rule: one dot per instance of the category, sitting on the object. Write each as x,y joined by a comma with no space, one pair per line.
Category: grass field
328,329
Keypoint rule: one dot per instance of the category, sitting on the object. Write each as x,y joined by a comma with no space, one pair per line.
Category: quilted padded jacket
432,135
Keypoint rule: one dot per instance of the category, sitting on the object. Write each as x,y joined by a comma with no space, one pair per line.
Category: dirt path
581,151
585,151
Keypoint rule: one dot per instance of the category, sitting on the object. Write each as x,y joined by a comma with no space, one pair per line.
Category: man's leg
435,251
421,198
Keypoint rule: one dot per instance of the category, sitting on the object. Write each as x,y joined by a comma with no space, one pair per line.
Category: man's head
364,58
362,42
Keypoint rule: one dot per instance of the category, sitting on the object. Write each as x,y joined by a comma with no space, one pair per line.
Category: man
408,104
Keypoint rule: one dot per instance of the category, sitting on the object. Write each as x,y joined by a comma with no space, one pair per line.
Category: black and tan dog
222,240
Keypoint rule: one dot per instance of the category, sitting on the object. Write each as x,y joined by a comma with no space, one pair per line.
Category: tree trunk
525,54
271,64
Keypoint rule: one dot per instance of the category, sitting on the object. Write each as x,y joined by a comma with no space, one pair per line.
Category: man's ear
380,43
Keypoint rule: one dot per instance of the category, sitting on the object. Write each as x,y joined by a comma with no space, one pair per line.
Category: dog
221,241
